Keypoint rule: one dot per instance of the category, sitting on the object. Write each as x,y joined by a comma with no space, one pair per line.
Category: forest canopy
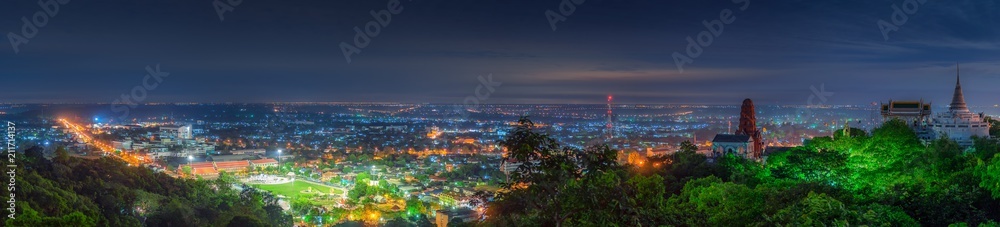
65,191
887,178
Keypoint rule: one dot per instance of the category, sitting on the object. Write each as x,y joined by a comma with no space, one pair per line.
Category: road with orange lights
82,133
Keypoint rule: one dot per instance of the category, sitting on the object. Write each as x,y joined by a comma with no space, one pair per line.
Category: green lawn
296,188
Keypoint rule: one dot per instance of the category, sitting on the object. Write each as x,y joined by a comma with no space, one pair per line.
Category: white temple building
959,123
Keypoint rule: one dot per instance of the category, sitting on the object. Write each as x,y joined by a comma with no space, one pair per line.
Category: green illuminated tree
711,202
685,165
360,189
991,177
986,148
741,170
808,165
186,170
107,192
823,210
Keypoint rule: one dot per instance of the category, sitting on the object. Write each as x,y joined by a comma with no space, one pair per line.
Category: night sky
433,51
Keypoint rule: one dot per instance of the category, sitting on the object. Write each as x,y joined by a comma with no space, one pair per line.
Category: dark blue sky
434,50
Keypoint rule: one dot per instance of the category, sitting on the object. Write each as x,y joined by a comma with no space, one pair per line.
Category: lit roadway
82,133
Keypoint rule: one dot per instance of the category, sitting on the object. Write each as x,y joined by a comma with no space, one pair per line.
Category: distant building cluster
168,141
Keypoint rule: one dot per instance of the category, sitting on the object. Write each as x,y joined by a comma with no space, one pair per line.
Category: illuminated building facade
741,145
176,132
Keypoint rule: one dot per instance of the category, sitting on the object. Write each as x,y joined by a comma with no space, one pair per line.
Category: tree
363,176
108,192
711,202
823,210
360,189
397,222
986,148
415,207
227,178
887,178
537,186
62,156
688,146
336,180
944,156
803,164
742,170
242,221
991,177
849,133
994,126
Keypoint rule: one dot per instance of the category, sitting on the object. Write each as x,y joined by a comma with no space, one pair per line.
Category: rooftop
232,164
730,138
264,161
200,165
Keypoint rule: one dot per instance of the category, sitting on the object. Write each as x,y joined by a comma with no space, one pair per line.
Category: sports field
298,188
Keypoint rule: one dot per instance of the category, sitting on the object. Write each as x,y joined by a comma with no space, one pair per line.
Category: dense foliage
888,178
67,191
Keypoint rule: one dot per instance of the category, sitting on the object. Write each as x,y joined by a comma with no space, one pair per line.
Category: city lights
472,113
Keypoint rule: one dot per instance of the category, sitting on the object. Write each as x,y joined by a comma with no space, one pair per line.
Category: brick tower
748,127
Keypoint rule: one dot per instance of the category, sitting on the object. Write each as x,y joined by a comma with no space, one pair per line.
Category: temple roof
958,101
730,138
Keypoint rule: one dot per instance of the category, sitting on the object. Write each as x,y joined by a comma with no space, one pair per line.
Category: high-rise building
176,132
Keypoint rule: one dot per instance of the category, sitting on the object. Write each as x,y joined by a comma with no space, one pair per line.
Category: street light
190,158
279,155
